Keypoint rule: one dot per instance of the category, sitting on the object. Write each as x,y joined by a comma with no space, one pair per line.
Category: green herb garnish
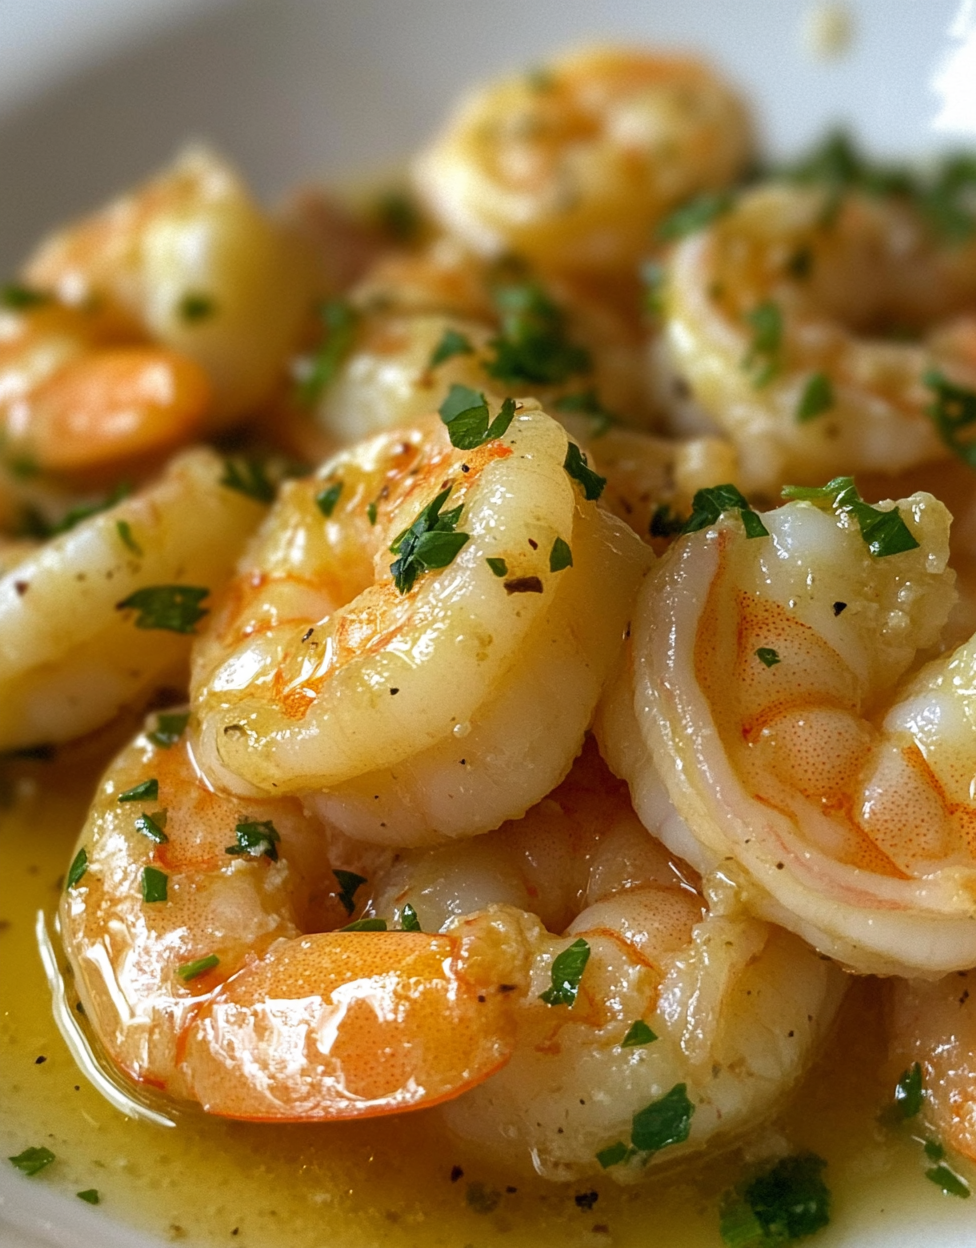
397,216
349,881
408,919
693,216
430,542
169,729
768,656
908,1092
884,532
817,398
256,839
371,512
451,344
763,357
637,1034
533,346
248,476
560,556
365,925
36,524
613,1155
465,412
146,791
79,865
954,409
171,608
17,297
193,970
949,1181
326,500
664,1122
665,522
194,307
32,1160
339,321
567,971
155,885
586,403
124,530
575,464
498,566
90,1196
709,504
787,1202
152,827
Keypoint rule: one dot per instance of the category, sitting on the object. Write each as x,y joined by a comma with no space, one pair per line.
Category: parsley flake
371,513
613,1155
169,728
146,791
248,476
586,403
697,214
664,1122
575,464
256,840
533,346
786,1202
32,1160
171,608
949,1181
908,1092
397,216
155,885
17,297
953,410
465,412
498,566
884,532
451,344
638,1034
195,307
768,656
408,919
326,500
365,925
817,398
709,504
763,356
339,321
193,970
560,556
665,522
79,865
36,524
349,881
90,1196
567,971
124,530
430,542
152,827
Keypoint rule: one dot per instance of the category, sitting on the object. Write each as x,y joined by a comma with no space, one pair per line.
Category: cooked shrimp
763,682
71,653
441,702
934,1024
722,1012
574,165
196,933
189,260
775,317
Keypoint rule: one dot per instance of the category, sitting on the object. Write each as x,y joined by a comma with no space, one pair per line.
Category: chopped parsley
567,971
248,476
693,216
949,1181
79,865
169,728
762,359
665,522
90,1196
638,1034
36,524
18,298
194,307
884,532
465,412
152,826
560,556
430,542
785,1203
193,970
768,656
613,1155
664,1122
349,881
171,608
326,499
586,403
408,919
452,343
498,566
933,1150
817,398
575,464
908,1092
256,840
953,410
371,512
365,925
32,1160
397,216
124,530
711,503
533,346
145,791
155,885
339,322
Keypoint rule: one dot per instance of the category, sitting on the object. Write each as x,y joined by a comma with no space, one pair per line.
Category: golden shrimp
776,316
763,682
71,654
573,165
402,698
679,1000
196,927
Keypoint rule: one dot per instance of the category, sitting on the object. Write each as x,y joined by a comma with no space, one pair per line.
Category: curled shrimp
411,701
776,317
197,927
573,165
70,658
934,1024
678,998
191,262
762,681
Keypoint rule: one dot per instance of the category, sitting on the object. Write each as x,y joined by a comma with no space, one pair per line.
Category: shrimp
573,165
410,701
762,679
681,1000
73,651
189,261
776,315
199,936
934,1024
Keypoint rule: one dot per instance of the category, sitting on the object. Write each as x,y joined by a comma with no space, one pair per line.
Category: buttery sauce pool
398,1182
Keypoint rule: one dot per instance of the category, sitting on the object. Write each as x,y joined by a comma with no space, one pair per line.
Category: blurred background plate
96,94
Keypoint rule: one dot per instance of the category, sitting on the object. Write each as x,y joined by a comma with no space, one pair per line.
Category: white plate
94,95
